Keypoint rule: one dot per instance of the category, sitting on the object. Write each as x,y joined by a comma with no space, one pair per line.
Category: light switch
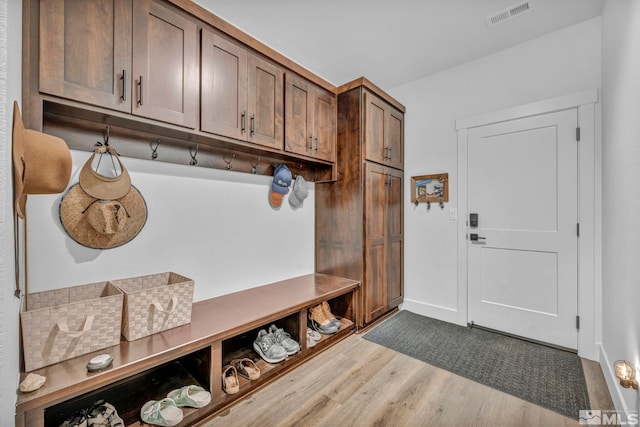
453,213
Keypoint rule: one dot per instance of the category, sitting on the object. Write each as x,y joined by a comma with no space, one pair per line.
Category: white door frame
589,213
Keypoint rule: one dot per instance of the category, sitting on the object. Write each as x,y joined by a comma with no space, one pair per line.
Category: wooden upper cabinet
298,116
266,102
324,125
310,119
395,138
165,64
85,51
223,87
242,94
384,139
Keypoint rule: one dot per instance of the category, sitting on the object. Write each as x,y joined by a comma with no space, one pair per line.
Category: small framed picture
430,188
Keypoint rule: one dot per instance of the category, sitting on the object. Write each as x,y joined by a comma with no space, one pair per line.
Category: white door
522,270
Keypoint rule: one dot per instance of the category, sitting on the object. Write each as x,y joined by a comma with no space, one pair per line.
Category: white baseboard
615,390
441,313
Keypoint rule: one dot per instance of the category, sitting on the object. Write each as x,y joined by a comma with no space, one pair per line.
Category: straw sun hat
41,163
103,212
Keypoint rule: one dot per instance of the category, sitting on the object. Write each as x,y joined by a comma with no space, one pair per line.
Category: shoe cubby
241,346
128,395
222,329
343,308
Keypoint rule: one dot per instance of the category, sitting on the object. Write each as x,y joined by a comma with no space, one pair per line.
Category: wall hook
228,162
428,205
103,148
154,150
193,155
254,167
441,204
416,203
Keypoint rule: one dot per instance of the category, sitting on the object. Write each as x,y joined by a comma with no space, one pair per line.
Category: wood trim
559,103
233,31
364,82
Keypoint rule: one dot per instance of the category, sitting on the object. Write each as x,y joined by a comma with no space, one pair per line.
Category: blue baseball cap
280,186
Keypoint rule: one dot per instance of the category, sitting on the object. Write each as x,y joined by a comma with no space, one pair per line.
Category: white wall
214,226
10,84
559,63
621,200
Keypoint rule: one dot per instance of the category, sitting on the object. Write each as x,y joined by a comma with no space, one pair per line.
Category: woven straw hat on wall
104,222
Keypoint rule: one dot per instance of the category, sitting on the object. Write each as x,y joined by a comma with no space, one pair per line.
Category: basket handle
172,306
63,327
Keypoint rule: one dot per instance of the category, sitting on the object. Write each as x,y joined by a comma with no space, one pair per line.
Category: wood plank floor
359,383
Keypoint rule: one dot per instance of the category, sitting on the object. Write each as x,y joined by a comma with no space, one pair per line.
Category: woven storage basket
69,322
155,303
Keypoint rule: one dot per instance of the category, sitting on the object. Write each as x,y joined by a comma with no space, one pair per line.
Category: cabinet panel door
165,67
375,292
325,125
375,128
85,51
395,138
395,240
223,87
298,115
266,99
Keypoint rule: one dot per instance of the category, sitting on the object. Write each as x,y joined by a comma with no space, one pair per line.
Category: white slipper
190,395
161,412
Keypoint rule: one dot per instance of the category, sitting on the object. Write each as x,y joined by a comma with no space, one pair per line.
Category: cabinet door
375,289
298,135
85,51
394,239
165,67
324,134
223,87
395,138
266,99
375,124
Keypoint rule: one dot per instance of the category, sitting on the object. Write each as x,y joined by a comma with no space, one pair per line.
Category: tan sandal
230,383
246,368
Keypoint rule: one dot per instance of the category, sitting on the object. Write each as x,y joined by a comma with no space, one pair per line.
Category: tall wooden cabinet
359,218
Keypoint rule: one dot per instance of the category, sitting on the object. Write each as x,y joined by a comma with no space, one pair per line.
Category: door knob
474,237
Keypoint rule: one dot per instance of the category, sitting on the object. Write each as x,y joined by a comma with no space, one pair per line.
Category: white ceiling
393,42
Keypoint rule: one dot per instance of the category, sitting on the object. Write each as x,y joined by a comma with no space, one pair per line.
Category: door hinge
577,322
578,134
578,229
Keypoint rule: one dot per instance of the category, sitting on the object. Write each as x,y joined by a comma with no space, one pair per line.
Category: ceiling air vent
508,13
